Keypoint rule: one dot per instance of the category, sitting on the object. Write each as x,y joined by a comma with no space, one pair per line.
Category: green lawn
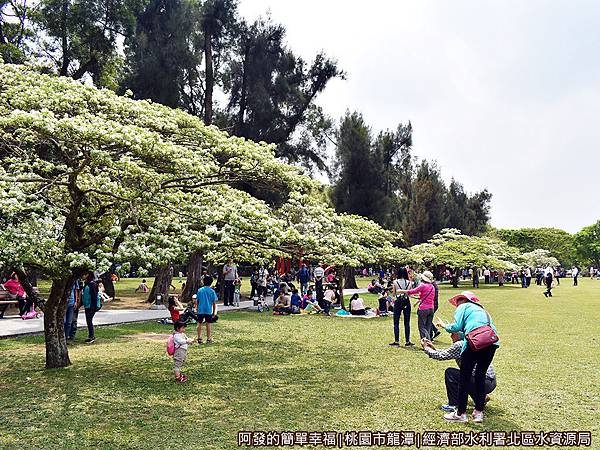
301,373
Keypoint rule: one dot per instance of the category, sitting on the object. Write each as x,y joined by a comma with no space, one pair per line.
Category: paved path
12,326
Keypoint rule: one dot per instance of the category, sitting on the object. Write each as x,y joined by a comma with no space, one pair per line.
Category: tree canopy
558,242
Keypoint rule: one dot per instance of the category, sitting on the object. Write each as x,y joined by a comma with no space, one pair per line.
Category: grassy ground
301,373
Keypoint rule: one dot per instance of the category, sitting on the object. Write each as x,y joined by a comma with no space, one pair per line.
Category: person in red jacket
14,288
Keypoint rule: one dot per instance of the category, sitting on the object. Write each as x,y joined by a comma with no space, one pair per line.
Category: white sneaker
477,416
455,417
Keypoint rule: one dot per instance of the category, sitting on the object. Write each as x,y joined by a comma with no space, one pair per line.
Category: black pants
487,279
3,309
89,317
253,291
575,281
325,305
452,379
228,291
358,312
73,329
25,305
425,321
382,305
476,282
401,306
549,286
468,360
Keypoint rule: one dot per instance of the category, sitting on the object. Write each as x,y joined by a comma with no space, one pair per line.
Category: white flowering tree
88,177
455,250
540,258
315,231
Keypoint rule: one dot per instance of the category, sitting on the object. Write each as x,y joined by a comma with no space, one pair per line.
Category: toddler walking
181,342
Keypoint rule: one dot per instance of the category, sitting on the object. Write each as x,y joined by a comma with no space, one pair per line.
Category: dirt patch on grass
150,336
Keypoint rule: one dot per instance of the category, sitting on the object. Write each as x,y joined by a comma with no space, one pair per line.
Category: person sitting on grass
310,304
282,305
375,287
206,302
295,301
181,342
385,301
357,306
142,287
452,375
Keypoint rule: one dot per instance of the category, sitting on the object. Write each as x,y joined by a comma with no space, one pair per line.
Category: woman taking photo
478,349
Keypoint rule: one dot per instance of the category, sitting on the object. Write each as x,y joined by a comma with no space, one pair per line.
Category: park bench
6,299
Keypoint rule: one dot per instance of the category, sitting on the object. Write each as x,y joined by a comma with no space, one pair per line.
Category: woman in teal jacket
470,315
91,304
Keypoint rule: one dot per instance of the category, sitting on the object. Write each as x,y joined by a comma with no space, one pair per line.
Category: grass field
301,373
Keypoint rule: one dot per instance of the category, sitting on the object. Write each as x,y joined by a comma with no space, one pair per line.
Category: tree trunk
57,354
243,94
455,276
193,281
162,282
210,78
349,278
28,287
64,67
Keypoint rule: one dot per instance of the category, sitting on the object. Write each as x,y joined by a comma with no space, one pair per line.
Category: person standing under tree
575,272
229,276
475,277
303,277
548,280
401,305
426,292
91,304
206,304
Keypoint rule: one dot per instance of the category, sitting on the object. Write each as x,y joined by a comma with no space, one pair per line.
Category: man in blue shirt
303,277
206,303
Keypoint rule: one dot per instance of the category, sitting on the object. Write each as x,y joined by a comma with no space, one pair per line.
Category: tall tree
426,211
14,30
81,36
218,19
392,154
587,244
271,94
456,206
478,209
558,242
356,189
162,64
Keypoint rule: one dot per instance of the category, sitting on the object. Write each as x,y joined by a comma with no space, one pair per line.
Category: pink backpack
171,345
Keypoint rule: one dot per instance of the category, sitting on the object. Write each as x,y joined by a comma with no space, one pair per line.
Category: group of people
87,292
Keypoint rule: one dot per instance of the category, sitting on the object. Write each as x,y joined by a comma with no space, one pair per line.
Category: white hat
427,276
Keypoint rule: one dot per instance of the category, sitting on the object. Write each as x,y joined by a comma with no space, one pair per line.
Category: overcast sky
504,95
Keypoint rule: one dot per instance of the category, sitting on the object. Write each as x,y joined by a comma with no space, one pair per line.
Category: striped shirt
453,352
